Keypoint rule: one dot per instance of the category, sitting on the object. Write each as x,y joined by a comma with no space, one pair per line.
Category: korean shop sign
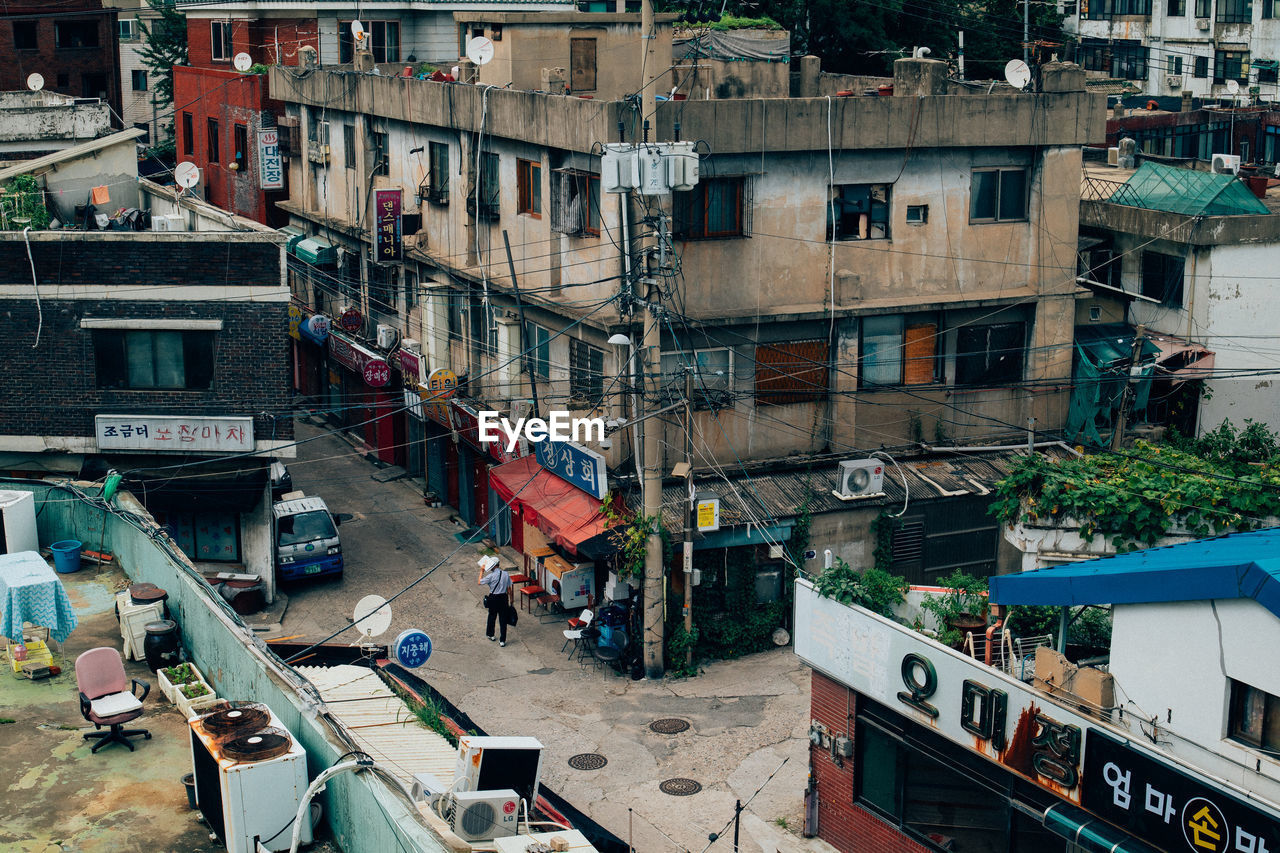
174,434
364,362
574,464
1168,808
387,226
271,175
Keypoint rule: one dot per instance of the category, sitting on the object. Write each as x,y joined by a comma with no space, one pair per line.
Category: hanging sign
350,320
295,320
442,383
388,237
370,365
270,165
574,464
412,648
707,510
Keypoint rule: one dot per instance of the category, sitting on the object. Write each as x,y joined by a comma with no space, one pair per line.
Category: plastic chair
107,698
582,620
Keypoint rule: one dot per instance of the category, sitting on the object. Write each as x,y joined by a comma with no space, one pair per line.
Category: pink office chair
106,697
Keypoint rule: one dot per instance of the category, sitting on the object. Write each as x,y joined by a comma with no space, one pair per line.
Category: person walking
496,599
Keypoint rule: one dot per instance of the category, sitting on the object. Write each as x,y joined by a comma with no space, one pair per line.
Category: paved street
747,716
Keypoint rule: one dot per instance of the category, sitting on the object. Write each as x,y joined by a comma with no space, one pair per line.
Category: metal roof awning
1088,833
295,234
313,250
1110,343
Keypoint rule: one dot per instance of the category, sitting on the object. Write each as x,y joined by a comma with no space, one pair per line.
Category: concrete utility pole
1026,31
655,584
1126,397
689,518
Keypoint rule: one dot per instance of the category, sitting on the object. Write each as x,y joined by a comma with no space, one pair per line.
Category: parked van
306,537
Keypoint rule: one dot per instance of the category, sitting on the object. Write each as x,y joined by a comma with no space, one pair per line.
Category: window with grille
716,207
791,372
1230,65
575,202
586,371
438,177
484,200
1201,67
381,153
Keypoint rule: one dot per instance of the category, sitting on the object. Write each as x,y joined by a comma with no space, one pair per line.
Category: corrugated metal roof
772,495
381,723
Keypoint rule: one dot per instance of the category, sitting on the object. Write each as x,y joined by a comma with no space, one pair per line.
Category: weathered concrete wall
49,126
705,78
363,812
115,166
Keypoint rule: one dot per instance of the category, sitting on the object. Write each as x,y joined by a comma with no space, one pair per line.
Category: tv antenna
372,617
479,50
35,82
1017,74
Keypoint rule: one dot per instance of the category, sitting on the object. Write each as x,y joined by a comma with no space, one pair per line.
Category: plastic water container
66,555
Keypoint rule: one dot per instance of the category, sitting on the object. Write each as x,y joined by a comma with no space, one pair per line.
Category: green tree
165,46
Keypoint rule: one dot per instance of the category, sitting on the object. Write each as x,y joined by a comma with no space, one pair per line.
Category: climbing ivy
631,535
882,533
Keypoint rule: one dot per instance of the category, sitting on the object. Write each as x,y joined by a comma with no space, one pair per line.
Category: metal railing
1117,192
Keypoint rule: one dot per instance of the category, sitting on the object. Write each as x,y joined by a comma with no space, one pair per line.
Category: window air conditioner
1226,164
386,336
1173,81
411,345
1202,23
860,478
483,815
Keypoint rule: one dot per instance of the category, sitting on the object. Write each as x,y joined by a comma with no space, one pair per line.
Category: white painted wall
1176,658
255,543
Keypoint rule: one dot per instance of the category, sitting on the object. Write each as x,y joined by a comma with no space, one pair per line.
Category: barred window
791,372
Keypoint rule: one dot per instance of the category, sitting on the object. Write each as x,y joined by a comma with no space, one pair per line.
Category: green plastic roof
1186,191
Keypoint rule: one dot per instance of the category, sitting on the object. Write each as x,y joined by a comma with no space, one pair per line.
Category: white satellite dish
479,50
1233,87
357,31
368,622
242,62
1017,74
187,174
35,82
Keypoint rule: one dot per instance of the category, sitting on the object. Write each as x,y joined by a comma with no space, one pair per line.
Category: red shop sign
371,366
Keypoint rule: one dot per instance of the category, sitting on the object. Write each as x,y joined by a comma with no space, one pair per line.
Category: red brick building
72,44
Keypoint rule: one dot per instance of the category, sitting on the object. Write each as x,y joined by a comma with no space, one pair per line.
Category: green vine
882,533
631,535
679,644
25,200
874,588
1213,485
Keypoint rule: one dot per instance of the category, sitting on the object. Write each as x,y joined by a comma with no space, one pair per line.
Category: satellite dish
187,174
35,82
1233,88
357,30
372,624
479,50
1017,73
242,62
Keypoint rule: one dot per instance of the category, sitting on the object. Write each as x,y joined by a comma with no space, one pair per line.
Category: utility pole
655,584
960,56
689,519
1126,397
1026,31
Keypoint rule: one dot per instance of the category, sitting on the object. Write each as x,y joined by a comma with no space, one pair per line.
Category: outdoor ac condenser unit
386,337
485,815
1202,23
1226,164
1174,81
860,478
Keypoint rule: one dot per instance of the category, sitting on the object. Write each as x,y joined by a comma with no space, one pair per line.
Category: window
586,371
240,138
381,153
998,195
1101,265
575,202
349,145
382,39
220,35
214,155
488,188
1176,8
1101,10
128,29
917,214
1267,69
188,135
93,85
1162,278
990,355
1129,60
1202,8
139,80
1175,65
898,350
540,351
1270,143
714,208
1254,717
75,34
1230,65
146,130
1234,12
24,36
791,372
154,361
861,212
1201,67
582,65
438,179
529,188
712,377
1268,9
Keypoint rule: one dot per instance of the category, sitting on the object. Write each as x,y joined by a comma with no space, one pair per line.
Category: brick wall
71,71
140,261
847,827
256,38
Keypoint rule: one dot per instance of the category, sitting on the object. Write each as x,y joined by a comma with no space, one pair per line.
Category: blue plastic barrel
66,555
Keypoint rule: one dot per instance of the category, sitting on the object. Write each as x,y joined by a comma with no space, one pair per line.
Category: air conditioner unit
860,478
1202,23
386,336
497,763
1223,164
1173,81
411,345
169,222
484,815
18,522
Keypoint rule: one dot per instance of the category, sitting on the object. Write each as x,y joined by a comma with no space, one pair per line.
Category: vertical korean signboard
271,169
388,237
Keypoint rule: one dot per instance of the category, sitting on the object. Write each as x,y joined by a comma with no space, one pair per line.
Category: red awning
563,512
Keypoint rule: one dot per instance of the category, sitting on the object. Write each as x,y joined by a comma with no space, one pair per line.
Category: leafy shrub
873,588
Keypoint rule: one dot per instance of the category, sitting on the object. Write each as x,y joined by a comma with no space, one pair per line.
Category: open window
575,202
859,212
899,349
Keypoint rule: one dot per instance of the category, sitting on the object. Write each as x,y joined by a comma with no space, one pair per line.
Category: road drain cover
588,761
680,787
669,726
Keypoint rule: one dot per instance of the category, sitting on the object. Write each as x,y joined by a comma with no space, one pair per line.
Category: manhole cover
680,787
588,761
669,726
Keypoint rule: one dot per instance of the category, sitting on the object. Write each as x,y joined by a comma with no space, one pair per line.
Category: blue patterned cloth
31,592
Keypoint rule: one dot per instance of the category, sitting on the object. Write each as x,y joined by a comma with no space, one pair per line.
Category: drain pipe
998,611
314,788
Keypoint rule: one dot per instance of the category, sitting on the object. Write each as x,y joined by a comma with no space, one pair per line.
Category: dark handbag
512,616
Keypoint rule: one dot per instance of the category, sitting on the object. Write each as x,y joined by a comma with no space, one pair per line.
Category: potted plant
171,677
875,589
961,609
194,697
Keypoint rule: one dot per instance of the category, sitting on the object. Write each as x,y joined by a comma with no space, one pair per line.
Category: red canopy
563,512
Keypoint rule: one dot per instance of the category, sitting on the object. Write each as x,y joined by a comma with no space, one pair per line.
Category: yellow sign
295,320
442,383
708,513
